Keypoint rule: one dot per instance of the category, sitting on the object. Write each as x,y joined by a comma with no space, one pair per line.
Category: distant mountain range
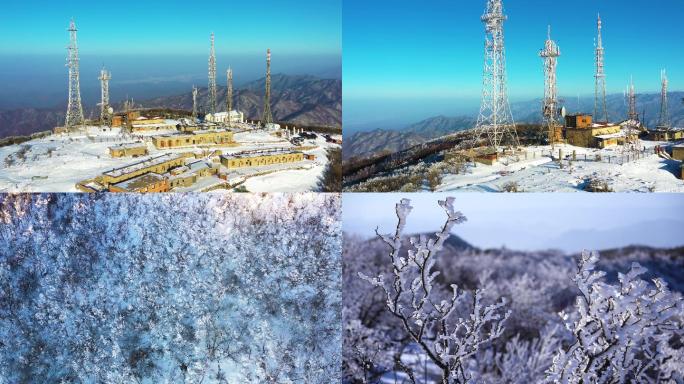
298,99
380,140
362,144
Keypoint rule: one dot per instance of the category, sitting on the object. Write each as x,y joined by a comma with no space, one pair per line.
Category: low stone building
159,164
582,132
149,182
666,134
232,117
260,158
205,137
143,123
128,149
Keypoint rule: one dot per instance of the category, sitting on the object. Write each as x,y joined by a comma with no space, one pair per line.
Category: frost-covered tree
622,331
169,288
448,327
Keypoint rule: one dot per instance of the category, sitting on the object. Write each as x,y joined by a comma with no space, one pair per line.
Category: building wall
122,152
578,121
678,153
259,161
584,137
210,138
159,168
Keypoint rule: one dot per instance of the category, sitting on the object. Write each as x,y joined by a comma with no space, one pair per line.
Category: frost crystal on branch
428,314
621,331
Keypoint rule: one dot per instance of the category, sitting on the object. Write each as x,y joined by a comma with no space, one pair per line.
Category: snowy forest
431,308
180,288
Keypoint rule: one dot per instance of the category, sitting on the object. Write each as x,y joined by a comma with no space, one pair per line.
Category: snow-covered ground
539,173
57,162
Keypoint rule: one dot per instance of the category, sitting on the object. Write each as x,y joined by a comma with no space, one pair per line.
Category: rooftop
259,152
141,181
128,145
142,164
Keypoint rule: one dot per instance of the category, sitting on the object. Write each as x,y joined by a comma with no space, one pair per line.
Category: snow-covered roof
140,181
142,164
128,145
611,136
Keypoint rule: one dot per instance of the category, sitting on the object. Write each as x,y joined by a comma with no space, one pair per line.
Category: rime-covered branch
620,330
429,319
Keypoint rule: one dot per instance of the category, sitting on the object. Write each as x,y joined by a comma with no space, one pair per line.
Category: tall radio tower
212,77
229,95
104,78
550,55
267,118
664,120
194,103
632,114
495,119
600,109
74,114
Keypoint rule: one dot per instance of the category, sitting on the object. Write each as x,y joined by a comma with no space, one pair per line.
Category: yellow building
143,123
581,132
678,152
188,175
260,158
213,137
149,182
128,149
159,164
665,134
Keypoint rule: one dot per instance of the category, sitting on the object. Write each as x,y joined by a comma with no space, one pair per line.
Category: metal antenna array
664,121
495,119
632,114
194,103
600,108
267,118
212,77
229,95
104,78
550,55
74,114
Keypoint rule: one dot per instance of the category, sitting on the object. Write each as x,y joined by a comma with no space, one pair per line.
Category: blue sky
157,48
430,55
159,27
530,221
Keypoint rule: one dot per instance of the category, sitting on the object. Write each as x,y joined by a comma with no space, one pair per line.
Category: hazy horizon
530,221
40,81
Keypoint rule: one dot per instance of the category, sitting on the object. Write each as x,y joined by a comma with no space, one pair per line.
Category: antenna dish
563,112
110,110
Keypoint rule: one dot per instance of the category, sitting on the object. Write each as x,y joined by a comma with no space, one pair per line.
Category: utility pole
194,103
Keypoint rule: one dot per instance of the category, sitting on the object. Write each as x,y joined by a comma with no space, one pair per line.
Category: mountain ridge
298,99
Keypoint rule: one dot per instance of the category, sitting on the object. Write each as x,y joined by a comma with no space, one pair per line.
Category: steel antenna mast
550,55
495,120
600,108
212,77
74,115
267,117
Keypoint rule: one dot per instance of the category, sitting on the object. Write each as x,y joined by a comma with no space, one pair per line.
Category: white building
226,117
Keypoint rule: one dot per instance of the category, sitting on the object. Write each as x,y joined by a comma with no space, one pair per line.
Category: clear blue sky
530,221
171,26
401,51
